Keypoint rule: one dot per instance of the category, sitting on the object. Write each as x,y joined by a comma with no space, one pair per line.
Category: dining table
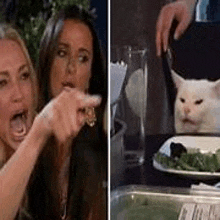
146,174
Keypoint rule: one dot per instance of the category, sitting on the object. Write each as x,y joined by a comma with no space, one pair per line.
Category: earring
90,116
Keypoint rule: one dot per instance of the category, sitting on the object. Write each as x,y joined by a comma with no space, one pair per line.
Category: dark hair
48,45
43,188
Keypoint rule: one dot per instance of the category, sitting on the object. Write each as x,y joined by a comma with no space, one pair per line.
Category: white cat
197,105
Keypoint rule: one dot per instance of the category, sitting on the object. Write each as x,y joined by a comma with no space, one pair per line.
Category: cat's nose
186,110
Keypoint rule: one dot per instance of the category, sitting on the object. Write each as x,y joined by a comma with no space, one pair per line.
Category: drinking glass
132,104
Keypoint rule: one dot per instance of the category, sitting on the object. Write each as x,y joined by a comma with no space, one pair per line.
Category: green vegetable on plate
191,161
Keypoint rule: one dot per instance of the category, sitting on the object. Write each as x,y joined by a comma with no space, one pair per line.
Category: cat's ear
177,79
217,88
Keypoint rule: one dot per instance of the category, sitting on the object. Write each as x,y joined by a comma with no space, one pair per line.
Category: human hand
180,11
64,116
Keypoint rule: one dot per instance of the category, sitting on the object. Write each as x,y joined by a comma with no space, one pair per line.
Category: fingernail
165,48
98,97
158,53
175,36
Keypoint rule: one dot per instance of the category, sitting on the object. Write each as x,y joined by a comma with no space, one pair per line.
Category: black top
197,54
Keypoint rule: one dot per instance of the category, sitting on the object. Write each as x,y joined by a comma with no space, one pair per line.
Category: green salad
209,162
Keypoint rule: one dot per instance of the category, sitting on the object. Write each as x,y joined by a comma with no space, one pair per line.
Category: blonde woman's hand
182,12
64,116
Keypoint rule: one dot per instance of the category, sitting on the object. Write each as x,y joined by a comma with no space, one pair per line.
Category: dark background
134,23
101,21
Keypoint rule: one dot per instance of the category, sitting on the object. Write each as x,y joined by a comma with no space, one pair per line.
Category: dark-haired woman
70,57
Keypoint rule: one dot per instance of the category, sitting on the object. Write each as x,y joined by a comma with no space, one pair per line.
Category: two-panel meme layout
109,110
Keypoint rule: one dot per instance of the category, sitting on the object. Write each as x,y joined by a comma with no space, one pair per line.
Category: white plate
204,143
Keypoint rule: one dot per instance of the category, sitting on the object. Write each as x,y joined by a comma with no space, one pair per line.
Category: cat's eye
198,102
182,100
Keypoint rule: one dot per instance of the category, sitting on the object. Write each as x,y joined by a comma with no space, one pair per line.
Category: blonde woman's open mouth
18,124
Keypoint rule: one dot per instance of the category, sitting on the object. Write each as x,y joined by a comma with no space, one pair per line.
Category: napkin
118,72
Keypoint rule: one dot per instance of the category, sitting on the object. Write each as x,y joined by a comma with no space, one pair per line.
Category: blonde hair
10,33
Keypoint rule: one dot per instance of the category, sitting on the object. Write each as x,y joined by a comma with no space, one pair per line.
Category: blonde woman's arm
63,118
15,173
